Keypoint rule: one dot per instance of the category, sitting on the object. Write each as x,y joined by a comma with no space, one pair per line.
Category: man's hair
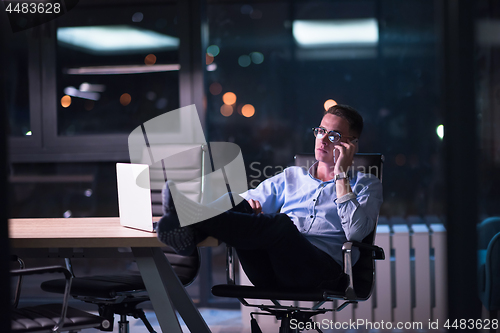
351,115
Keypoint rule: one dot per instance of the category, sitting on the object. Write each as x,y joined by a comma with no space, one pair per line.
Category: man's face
323,149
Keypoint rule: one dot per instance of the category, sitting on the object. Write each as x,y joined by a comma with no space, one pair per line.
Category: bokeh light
244,61
137,17
212,67
248,110
400,159
215,88
150,59
440,131
209,59
125,99
257,57
65,101
329,103
161,103
226,110
229,98
213,50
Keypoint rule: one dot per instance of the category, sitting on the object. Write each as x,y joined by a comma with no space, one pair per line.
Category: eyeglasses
333,136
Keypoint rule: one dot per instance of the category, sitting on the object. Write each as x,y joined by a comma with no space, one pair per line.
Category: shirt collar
313,171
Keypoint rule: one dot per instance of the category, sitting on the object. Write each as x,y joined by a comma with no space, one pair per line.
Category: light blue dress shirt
312,205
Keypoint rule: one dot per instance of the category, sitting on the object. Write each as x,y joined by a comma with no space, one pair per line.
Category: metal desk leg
162,283
157,290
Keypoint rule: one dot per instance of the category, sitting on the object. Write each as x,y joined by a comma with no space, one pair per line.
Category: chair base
124,309
292,321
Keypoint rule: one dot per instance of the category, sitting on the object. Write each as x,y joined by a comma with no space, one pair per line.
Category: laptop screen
134,196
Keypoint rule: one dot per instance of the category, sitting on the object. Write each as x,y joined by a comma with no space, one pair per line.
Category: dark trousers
272,252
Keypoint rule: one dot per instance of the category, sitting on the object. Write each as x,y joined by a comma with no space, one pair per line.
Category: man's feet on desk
181,239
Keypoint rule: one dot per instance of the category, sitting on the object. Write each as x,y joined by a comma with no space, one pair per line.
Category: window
106,69
115,69
282,61
18,92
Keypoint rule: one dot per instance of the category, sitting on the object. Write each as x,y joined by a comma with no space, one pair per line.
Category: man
319,209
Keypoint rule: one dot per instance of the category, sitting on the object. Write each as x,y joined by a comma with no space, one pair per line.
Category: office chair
489,263
48,317
121,293
362,274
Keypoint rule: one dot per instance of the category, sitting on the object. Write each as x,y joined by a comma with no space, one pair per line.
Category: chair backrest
363,270
489,262
185,267
189,168
486,230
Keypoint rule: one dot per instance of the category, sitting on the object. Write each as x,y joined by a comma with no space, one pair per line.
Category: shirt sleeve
270,193
358,211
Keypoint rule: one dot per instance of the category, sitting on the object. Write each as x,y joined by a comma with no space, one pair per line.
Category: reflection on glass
114,39
16,83
119,72
487,75
291,60
329,103
328,33
229,98
66,101
248,110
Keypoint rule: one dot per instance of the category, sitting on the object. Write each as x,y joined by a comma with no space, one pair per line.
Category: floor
219,321
230,321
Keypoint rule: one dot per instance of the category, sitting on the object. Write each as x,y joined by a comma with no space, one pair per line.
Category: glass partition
488,106
15,76
272,68
487,83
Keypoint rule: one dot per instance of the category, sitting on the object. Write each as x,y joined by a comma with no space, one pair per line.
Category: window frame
45,145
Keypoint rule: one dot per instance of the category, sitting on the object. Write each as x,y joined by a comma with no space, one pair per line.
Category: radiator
410,284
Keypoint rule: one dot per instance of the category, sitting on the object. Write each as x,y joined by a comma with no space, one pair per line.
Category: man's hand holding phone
343,155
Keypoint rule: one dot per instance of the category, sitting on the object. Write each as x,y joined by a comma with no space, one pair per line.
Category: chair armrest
377,253
230,266
17,295
41,270
347,254
67,289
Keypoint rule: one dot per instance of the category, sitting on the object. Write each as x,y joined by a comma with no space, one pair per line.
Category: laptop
134,196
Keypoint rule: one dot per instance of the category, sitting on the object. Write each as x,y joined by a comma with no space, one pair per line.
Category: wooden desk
101,237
